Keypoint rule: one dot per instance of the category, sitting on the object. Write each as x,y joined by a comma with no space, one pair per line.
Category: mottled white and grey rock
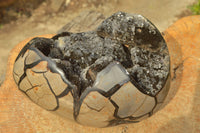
118,73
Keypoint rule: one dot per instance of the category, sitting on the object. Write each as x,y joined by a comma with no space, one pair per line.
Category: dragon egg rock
119,73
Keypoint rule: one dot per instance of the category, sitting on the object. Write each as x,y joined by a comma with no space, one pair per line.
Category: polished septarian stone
123,64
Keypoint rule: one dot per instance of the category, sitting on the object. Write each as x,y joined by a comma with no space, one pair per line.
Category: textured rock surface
124,48
181,113
86,21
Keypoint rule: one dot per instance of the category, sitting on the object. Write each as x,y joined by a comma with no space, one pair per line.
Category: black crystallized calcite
129,39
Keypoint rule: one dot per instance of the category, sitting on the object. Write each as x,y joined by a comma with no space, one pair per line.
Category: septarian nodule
118,73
